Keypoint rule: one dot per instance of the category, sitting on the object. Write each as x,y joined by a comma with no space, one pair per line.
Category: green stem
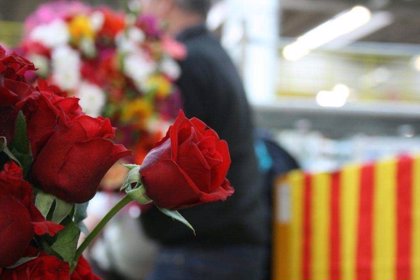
123,202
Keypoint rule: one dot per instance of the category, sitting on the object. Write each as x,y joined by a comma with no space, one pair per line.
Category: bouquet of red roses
52,158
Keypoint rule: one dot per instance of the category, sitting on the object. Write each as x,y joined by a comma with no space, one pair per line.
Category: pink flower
51,11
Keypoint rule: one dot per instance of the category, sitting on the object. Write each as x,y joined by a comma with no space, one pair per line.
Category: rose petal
46,227
15,230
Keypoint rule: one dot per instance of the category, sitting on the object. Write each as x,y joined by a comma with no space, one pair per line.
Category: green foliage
66,242
5,151
20,146
176,216
62,210
44,202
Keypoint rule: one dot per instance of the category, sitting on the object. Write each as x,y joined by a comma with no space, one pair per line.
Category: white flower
124,45
170,68
51,35
87,45
136,35
158,125
97,20
92,99
129,41
66,67
138,67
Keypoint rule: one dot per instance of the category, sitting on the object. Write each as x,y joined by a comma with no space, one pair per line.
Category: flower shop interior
334,91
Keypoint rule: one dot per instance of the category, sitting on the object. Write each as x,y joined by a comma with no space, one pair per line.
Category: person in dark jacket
231,236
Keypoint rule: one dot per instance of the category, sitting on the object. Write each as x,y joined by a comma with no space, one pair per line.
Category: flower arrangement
120,65
52,158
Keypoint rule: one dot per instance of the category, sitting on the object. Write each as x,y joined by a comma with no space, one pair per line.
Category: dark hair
200,7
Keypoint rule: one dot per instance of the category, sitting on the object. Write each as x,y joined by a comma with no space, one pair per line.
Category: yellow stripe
296,180
349,205
416,220
320,226
281,234
384,221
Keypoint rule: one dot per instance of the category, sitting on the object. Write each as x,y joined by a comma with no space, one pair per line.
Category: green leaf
80,212
83,228
62,209
131,166
176,216
138,194
5,149
21,261
66,243
44,202
20,144
20,140
132,180
53,208
3,143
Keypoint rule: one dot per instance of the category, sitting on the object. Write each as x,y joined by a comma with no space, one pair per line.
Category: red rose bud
75,158
187,167
16,230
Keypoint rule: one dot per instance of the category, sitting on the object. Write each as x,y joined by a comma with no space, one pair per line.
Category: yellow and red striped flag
359,223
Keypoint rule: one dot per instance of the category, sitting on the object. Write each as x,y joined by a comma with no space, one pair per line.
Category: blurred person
231,236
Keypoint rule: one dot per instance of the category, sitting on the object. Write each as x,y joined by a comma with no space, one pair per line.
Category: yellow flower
137,112
80,27
159,85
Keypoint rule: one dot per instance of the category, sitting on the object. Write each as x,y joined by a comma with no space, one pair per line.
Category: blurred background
334,82
344,74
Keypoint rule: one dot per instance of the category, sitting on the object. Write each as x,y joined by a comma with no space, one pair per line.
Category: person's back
234,231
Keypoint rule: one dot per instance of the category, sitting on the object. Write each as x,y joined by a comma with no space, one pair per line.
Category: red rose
43,267
13,86
13,89
14,66
45,112
15,230
11,94
76,157
19,218
83,271
187,167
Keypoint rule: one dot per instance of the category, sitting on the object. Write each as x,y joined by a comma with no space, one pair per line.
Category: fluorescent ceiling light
342,24
337,97
378,20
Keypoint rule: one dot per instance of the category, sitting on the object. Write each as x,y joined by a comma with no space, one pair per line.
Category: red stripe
335,227
404,218
364,244
307,228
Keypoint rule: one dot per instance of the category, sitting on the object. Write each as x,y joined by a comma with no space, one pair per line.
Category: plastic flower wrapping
120,65
52,159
